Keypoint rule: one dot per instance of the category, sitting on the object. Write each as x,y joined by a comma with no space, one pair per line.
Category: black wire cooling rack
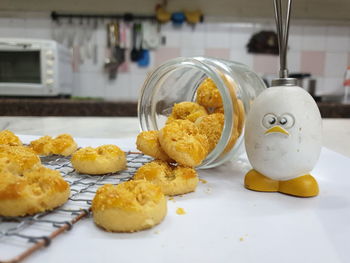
21,236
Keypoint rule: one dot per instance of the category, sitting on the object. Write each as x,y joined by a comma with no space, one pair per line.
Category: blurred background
111,47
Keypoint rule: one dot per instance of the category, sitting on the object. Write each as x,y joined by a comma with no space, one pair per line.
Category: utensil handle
282,26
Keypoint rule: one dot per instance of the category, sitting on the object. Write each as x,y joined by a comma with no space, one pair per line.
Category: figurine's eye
269,120
286,120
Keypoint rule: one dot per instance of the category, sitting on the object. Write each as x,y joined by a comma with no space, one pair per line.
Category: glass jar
177,80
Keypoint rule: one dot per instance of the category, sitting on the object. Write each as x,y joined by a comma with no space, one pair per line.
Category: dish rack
21,236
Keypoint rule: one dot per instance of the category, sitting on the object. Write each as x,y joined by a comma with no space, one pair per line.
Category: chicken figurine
283,139
283,132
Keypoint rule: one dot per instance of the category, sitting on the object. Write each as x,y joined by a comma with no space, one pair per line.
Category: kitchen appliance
34,67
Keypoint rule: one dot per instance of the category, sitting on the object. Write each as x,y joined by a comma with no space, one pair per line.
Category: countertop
99,107
336,132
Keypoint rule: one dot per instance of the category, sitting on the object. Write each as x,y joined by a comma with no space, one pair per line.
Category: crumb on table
180,211
203,181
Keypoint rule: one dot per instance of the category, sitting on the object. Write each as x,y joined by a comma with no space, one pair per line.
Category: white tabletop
224,222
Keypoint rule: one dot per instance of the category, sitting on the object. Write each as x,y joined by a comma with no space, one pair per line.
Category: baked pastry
129,206
211,126
63,144
183,142
101,160
148,143
9,138
187,111
33,191
208,95
22,158
173,180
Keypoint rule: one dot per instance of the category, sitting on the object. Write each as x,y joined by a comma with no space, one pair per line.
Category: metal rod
282,26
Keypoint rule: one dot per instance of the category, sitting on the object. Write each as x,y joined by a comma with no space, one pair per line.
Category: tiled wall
323,51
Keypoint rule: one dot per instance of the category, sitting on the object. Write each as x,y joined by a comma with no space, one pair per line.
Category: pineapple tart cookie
22,158
31,191
129,207
173,180
187,111
63,144
148,143
183,142
101,160
9,138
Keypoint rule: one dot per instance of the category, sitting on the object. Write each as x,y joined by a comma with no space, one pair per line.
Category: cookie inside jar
214,94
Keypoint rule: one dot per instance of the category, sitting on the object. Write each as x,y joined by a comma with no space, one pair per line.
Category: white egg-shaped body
283,133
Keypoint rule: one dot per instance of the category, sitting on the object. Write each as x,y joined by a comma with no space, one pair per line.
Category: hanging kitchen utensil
144,58
119,52
135,52
111,64
150,36
178,18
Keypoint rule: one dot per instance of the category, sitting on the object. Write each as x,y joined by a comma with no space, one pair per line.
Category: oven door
21,70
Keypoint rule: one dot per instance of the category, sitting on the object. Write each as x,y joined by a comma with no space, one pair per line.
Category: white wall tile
293,61
192,37
118,89
192,52
295,38
240,36
333,86
314,38
336,64
242,57
338,39
218,35
91,85
137,81
320,88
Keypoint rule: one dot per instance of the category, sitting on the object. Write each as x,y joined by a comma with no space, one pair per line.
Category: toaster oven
34,67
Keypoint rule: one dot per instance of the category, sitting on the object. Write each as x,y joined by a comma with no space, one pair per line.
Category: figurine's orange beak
277,129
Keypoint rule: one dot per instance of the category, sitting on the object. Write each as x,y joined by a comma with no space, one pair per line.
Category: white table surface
224,221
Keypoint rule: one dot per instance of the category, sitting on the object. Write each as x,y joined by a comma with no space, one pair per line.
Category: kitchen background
322,50
320,46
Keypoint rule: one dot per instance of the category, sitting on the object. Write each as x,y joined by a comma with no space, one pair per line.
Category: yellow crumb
156,232
203,181
171,198
241,239
180,211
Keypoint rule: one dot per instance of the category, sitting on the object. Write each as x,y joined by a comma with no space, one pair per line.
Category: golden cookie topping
101,160
148,143
22,158
9,138
183,142
208,95
131,195
211,126
63,144
32,191
187,111
173,180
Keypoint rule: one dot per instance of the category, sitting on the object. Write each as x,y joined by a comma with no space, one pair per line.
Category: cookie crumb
241,239
203,181
156,232
180,211
171,198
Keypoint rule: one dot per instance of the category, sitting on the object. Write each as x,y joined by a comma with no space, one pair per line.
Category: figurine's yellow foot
302,186
256,181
